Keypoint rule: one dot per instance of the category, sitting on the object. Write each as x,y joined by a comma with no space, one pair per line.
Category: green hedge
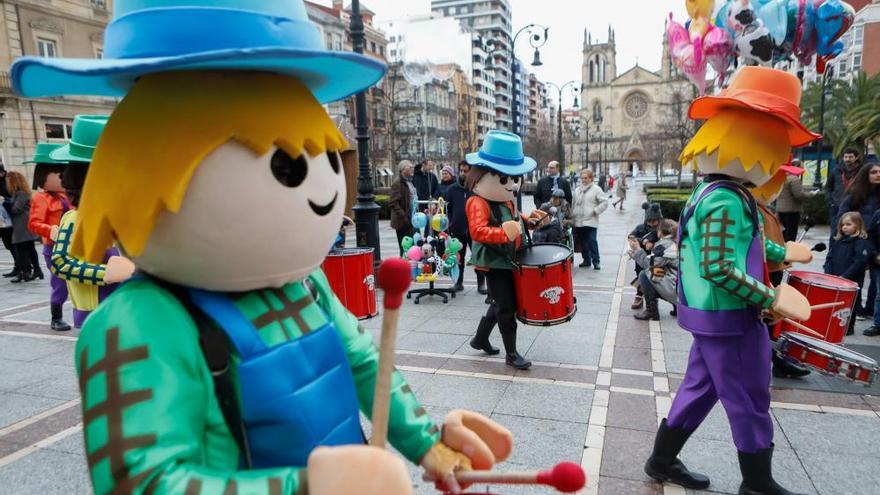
816,209
384,208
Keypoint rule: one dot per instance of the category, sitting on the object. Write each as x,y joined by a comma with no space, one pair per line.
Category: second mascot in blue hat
229,365
497,231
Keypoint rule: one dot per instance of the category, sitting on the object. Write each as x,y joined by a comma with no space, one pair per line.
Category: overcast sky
638,25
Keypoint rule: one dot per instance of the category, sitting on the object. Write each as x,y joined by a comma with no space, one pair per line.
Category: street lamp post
817,177
366,211
560,90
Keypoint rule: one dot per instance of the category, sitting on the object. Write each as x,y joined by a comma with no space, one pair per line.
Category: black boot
783,368
513,358
11,274
663,465
37,273
757,474
481,283
22,276
650,312
480,341
58,324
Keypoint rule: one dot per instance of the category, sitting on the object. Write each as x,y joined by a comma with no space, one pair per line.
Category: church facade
635,120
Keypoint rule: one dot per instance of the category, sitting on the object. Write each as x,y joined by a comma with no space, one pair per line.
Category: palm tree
851,116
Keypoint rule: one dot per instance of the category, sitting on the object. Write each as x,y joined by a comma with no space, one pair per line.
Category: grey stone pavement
598,388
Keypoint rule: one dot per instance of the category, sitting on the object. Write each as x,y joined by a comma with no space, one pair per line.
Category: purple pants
736,371
59,287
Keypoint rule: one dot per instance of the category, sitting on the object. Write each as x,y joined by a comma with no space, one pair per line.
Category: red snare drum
820,288
544,288
828,358
350,273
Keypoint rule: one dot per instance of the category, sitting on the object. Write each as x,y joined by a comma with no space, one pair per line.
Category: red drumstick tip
567,477
394,278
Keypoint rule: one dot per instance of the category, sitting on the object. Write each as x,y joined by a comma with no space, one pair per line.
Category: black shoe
850,331
11,274
638,302
36,274
783,368
663,465
480,341
512,357
674,311
757,474
19,279
596,267
584,264
488,300
651,311
872,332
58,323
458,287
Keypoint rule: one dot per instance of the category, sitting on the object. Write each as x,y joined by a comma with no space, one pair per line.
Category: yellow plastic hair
753,137
768,192
700,8
164,128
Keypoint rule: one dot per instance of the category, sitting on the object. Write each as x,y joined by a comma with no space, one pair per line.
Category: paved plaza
598,388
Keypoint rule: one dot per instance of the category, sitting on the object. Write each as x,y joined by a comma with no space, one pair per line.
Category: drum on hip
828,358
350,273
835,298
544,287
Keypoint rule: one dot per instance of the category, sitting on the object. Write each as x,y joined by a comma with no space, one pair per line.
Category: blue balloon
419,220
416,238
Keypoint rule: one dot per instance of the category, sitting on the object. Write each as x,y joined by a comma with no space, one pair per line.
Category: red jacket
478,221
46,212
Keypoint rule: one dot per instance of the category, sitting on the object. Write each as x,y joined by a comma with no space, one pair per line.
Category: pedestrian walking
403,194
620,189
790,203
552,181
447,180
589,203
6,223
850,253
47,207
456,198
28,267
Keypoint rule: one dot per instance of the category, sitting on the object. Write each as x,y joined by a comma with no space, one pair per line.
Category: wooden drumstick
393,278
827,305
566,477
803,327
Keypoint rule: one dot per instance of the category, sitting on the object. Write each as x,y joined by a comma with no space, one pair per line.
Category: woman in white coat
589,203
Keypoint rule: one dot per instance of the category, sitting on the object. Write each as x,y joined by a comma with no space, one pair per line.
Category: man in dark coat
839,181
426,182
403,192
456,198
551,182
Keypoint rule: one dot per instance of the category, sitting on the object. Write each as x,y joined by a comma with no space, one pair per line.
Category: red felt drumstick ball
567,477
394,278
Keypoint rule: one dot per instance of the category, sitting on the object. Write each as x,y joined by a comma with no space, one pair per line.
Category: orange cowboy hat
762,89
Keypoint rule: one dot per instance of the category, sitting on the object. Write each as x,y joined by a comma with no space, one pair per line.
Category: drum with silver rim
828,358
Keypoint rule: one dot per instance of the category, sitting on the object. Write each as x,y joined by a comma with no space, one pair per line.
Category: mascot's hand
539,218
512,228
119,269
789,303
796,252
356,469
53,233
470,441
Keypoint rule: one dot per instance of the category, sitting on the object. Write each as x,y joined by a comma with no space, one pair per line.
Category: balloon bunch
433,256
699,43
757,32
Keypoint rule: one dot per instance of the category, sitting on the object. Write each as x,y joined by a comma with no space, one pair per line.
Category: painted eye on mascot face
504,179
292,172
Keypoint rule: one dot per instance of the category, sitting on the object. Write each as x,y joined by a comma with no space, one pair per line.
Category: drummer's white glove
789,303
512,228
796,252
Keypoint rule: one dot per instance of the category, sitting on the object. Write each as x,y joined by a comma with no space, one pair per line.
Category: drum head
831,349
824,280
542,254
349,251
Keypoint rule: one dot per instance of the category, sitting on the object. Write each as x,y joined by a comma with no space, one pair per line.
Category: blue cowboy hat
503,153
148,36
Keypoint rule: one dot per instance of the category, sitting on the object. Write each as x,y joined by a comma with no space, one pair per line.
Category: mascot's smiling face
496,187
249,221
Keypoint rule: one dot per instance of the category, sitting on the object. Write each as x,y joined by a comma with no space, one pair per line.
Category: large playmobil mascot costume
497,230
231,352
87,283
723,288
47,207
